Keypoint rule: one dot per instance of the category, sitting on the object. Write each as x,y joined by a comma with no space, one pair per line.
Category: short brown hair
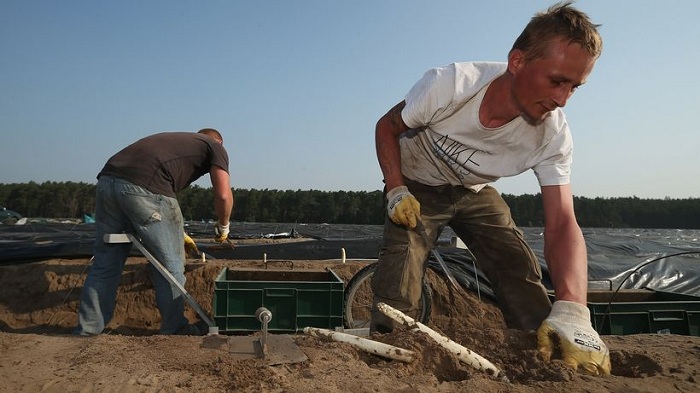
559,21
212,133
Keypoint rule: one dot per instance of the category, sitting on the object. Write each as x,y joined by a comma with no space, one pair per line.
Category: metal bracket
264,316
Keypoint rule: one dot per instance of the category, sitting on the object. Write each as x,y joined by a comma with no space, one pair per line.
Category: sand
38,303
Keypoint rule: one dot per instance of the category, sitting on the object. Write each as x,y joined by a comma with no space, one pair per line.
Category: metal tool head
279,349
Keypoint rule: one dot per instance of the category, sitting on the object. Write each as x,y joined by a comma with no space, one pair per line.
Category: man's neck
497,107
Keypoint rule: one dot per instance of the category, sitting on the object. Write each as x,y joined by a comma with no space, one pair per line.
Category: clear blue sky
296,87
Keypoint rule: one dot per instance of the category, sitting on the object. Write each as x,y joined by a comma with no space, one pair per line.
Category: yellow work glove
191,249
402,206
221,232
580,345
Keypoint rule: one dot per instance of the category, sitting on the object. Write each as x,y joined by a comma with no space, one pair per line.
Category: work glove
580,345
221,232
402,206
191,249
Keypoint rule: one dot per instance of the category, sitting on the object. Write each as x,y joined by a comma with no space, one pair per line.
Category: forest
73,200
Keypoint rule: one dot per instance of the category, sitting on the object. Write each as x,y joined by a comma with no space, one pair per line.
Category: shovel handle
420,228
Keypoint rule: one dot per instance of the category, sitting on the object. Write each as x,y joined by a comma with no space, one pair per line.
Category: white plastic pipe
464,354
367,345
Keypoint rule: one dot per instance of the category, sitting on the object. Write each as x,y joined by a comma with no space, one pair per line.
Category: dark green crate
635,311
296,299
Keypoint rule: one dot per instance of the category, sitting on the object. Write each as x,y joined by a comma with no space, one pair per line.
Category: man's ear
516,60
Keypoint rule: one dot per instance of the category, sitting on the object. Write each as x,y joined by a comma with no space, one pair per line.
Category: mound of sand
38,303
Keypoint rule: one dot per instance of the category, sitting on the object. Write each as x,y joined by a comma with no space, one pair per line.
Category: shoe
199,328
379,328
380,323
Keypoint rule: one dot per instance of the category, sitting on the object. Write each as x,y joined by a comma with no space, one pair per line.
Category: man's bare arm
388,129
223,197
564,245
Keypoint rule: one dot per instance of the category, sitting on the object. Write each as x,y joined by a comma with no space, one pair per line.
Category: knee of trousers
524,305
399,276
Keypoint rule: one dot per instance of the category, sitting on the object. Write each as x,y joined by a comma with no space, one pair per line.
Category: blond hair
559,21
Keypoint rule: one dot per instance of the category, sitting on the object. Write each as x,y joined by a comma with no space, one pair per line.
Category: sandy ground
38,304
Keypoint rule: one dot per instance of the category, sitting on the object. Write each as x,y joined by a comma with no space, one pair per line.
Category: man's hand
191,249
403,208
580,345
221,232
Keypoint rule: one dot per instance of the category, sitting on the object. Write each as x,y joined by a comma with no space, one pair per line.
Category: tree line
73,200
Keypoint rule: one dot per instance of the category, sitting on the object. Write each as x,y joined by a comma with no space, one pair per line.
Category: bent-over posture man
462,127
136,193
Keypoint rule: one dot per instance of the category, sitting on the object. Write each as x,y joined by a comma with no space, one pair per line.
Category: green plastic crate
644,311
635,311
296,299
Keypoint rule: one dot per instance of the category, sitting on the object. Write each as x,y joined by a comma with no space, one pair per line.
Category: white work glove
402,206
221,232
190,247
580,345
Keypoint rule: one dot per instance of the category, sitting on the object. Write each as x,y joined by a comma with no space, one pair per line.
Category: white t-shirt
447,144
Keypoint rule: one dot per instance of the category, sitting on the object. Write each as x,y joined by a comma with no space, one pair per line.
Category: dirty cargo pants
483,221
122,207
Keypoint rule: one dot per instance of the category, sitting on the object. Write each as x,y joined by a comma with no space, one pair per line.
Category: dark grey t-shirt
168,162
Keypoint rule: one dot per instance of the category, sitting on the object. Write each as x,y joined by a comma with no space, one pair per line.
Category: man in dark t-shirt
136,193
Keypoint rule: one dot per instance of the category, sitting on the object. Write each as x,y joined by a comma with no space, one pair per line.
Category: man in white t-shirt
464,126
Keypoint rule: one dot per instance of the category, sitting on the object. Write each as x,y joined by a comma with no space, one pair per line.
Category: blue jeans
122,207
483,221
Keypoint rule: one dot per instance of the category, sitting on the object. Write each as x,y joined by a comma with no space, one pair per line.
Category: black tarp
662,260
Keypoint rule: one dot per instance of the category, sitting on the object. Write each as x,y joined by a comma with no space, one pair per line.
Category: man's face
541,85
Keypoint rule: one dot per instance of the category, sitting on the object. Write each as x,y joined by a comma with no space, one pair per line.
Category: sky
296,87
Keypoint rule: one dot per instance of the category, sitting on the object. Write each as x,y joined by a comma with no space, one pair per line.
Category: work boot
199,328
380,323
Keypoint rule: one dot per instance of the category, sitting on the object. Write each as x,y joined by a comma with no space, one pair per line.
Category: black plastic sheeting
661,260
